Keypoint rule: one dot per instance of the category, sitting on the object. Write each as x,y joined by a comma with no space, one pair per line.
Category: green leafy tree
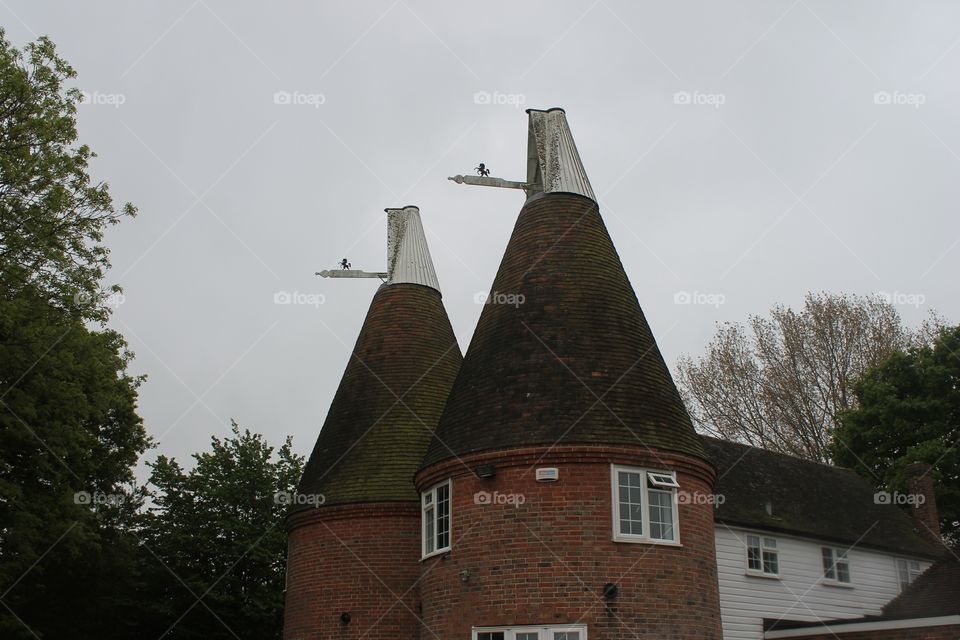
69,431
909,411
52,213
216,537
69,437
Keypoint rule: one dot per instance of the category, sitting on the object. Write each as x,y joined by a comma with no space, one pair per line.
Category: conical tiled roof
562,352
393,390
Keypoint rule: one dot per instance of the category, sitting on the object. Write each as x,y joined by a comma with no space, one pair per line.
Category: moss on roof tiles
371,443
562,352
807,499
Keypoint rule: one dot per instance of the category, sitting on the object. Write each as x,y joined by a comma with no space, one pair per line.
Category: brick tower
565,495
353,562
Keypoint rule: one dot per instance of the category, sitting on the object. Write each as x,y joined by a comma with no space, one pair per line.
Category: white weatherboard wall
799,593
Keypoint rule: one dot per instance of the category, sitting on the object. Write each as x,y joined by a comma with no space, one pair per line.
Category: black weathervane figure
344,264
482,170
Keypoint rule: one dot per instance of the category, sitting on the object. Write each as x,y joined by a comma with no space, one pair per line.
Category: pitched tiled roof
371,443
807,499
562,351
935,593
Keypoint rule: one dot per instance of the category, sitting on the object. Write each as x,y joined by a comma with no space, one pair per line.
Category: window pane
828,566
771,563
566,635
843,572
527,635
625,526
753,541
661,514
630,505
443,516
490,635
428,531
770,543
662,480
443,534
753,559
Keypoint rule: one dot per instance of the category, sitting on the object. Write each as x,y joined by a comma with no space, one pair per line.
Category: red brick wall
546,561
359,559
951,632
920,480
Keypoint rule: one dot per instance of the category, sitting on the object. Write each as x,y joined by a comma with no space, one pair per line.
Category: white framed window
763,558
435,509
644,506
907,571
836,565
532,632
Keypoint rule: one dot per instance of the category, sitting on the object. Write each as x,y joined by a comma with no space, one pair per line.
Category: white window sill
435,553
637,540
760,574
836,583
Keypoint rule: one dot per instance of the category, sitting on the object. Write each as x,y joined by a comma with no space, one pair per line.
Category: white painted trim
423,521
775,533
544,631
644,538
874,625
760,573
835,560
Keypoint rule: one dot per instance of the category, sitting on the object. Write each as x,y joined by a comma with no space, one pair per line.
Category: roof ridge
778,453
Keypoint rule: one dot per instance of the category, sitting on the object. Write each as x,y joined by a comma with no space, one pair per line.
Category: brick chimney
924,510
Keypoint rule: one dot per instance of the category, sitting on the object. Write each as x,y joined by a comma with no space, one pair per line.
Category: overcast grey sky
740,150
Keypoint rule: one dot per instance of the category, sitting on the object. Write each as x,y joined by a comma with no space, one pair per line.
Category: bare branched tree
778,382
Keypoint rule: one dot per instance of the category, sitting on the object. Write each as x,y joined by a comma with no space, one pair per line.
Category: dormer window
644,505
435,510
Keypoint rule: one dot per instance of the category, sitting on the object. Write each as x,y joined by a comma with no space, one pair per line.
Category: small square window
836,566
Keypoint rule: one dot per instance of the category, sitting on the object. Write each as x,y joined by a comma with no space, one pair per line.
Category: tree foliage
217,540
778,382
52,213
84,552
69,437
908,410
69,430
